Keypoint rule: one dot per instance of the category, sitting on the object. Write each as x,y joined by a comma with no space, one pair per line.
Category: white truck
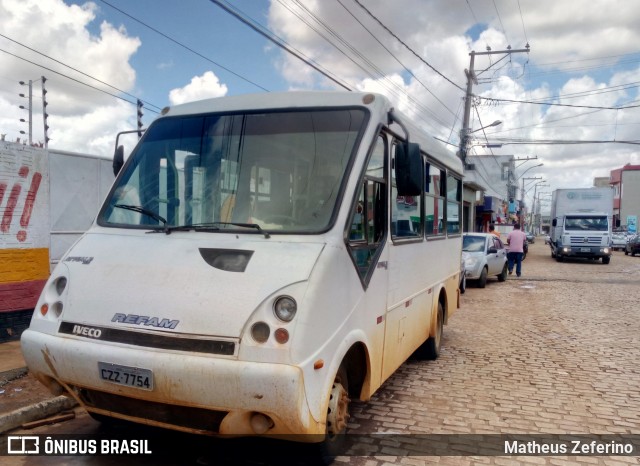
581,223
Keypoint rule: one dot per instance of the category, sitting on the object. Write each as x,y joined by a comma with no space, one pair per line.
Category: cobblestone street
554,351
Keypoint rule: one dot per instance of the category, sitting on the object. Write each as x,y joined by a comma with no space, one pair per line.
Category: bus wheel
337,416
338,411
430,349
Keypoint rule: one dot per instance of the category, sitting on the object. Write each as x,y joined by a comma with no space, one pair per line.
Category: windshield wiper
214,226
189,227
143,211
247,225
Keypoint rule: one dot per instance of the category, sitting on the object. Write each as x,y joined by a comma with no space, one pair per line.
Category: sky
570,103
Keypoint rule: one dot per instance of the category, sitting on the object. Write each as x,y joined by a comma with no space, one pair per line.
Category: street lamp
516,180
464,138
495,123
534,166
533,203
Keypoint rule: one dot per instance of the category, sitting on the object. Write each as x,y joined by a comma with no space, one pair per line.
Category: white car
484,256
462,285
618,241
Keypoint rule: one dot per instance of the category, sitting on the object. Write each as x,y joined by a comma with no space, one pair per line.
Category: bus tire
108,420
482,281
606,259
430,349
334,441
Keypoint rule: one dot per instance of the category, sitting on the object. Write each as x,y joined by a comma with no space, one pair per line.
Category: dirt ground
21,392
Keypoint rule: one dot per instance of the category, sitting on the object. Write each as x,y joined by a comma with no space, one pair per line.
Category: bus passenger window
434,201
454,204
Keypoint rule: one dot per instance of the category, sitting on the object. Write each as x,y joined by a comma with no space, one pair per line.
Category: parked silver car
462,285
618,241
484,256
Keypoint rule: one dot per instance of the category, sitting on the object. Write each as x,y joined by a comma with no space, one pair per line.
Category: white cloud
60,31
562,35
201,87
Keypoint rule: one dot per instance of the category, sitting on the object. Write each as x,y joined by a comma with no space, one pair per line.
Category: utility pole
471,80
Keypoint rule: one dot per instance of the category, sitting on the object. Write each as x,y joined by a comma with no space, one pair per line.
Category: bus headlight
61,284
285,308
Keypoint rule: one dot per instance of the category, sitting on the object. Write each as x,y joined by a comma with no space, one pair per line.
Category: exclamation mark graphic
28,205
12,202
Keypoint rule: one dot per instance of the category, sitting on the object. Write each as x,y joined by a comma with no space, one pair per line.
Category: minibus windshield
281,171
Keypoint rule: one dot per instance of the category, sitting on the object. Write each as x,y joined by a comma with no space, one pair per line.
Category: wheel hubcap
338,412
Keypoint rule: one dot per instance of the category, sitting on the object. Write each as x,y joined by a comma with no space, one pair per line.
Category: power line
491,99
77,70
392,86
185,46
397,59
508,142
522,20
278,41
375,18
72,79
500,20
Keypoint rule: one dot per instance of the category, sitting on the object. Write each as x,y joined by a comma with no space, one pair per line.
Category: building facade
626,200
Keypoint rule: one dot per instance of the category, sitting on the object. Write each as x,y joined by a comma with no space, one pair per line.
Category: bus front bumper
189,392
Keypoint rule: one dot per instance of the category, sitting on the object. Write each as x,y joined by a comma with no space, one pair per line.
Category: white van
259,261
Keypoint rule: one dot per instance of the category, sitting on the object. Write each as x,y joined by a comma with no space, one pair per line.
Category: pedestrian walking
516,240
492,230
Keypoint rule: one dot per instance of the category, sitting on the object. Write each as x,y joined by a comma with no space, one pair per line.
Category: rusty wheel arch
356,365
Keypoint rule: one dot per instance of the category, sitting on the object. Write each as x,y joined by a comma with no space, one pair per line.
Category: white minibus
260,261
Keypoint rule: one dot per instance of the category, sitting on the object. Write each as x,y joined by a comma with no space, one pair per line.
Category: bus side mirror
408,167
118,160
617,223
554,222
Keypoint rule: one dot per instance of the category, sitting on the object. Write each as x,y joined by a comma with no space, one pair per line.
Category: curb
12,374
34,412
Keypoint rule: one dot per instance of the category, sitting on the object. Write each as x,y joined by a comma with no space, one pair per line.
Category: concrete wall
630,196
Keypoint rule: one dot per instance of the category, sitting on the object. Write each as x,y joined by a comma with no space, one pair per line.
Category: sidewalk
12,367
11,357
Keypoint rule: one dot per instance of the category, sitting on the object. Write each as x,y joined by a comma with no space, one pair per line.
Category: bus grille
180,416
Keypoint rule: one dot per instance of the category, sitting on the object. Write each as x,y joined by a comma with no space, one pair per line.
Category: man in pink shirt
516,240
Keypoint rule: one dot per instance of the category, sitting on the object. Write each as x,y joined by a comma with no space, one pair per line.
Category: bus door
366,244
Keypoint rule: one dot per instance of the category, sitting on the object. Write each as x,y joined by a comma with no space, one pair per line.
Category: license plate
125,375
585,249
